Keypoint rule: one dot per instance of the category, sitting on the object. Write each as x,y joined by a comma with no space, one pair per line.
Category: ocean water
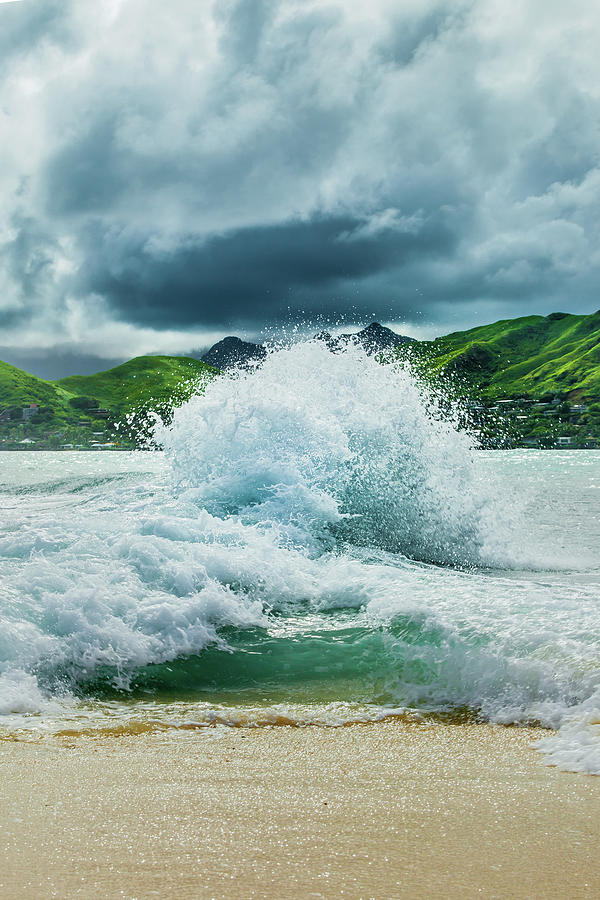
316,544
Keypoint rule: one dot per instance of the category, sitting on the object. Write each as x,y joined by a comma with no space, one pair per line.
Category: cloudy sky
174,172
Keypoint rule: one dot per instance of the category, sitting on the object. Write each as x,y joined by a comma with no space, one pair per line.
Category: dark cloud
87,173
244,27
256,274
25,25
410,34
27,258
173,169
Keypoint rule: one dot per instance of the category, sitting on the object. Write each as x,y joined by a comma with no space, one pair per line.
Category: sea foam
336,448
316,536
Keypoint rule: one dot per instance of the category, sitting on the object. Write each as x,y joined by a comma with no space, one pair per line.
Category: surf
316,532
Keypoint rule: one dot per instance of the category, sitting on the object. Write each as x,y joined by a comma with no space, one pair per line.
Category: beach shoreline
383,810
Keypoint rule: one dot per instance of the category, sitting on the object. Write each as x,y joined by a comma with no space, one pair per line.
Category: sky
171,173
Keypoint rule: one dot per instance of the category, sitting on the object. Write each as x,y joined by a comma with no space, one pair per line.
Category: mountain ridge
231,351
528,356
554,357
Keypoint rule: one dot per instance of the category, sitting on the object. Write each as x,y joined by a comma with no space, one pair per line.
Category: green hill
527,382
18,388
532,381
107,408
533,356
141,382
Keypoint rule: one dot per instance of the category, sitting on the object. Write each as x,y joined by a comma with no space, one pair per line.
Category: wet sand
367,811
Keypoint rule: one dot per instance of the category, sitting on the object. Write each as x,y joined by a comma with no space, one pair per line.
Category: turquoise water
316,544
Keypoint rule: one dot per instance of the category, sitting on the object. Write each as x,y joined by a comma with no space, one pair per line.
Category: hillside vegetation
141,382
533,357
106,409
532,381
18,388
527,382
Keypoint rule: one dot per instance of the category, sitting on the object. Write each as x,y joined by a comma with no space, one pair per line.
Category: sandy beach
365,811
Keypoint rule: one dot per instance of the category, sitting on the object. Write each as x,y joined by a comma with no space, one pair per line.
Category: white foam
575,747
338,447
303,487
20,695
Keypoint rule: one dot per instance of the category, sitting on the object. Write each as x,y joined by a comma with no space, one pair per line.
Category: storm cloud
172,172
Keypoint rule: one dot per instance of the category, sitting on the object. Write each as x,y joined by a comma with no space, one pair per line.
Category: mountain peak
376,337
232,352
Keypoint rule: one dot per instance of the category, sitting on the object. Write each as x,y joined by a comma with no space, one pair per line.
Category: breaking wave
315,532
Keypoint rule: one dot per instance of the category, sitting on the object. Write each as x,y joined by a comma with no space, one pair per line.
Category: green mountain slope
531,356
83,411
141,382
18,388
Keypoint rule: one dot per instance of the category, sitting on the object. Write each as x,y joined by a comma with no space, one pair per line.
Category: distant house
30,411
27,441
564,442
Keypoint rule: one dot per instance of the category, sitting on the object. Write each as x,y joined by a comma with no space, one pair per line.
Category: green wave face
353,662
411,661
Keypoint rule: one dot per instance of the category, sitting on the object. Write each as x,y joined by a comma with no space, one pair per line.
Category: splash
336,448
316,541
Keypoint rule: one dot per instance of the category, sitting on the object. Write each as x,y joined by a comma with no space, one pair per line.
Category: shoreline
381,810
29,449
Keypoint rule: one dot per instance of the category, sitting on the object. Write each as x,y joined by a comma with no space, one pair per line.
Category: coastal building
30,411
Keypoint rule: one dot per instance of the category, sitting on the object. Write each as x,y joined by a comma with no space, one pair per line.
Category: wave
338,448
317,531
